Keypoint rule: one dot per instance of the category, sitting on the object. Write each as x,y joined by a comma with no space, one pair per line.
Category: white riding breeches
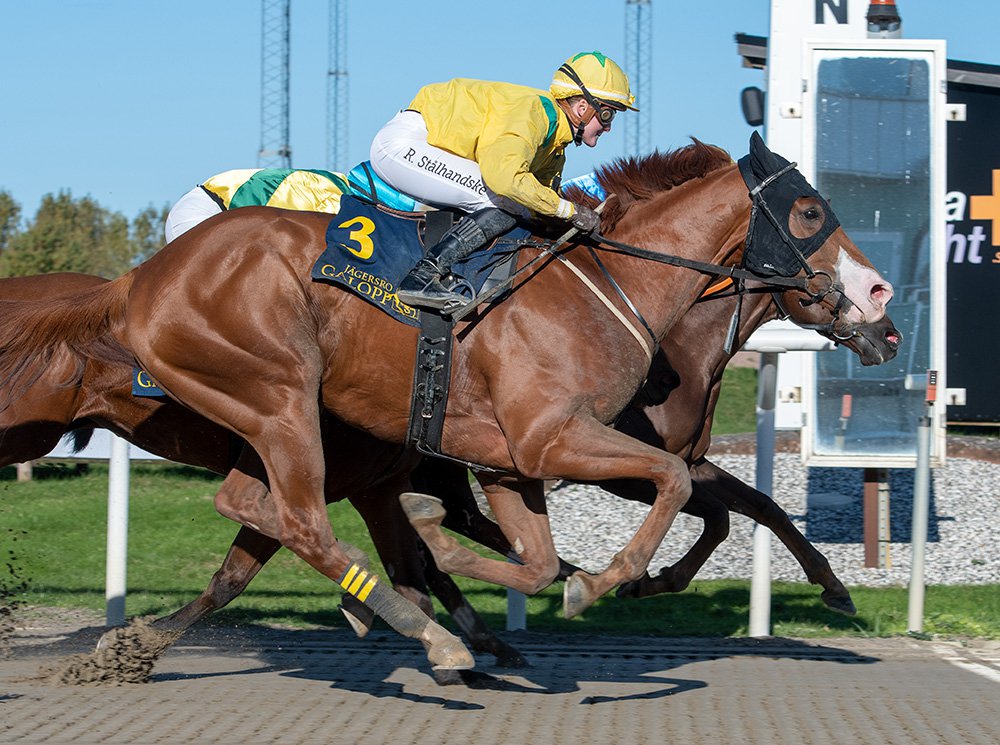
194,207
402,157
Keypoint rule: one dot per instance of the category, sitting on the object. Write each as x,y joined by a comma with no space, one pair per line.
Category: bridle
740,274
759,205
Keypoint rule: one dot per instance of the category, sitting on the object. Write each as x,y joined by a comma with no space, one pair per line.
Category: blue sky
136,102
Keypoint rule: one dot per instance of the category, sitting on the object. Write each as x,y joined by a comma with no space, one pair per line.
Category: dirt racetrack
257,684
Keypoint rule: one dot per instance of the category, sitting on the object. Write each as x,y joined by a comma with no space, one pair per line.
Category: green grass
53,532
736,411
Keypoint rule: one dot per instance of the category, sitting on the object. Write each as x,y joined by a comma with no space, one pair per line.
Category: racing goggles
604,112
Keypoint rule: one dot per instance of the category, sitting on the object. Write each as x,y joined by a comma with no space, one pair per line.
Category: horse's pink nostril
881,294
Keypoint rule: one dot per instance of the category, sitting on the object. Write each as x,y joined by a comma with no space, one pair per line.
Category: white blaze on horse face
864,287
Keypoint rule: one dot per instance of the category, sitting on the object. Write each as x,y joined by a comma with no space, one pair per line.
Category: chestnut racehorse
229,324
99,394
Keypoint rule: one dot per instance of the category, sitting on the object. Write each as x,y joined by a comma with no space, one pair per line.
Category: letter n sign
837,7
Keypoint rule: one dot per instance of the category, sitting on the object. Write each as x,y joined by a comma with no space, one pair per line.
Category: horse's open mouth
874,343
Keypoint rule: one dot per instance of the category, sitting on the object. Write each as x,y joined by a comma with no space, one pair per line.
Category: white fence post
517,610
770,340
117,550
921,507
760,583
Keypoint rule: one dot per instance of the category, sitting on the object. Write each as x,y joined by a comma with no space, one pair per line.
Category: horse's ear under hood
763,162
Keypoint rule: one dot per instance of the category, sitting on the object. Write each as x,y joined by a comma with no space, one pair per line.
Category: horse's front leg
586,450
450,483
744,499
413,572
519,507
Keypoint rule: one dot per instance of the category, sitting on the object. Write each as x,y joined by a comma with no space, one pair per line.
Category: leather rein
739,275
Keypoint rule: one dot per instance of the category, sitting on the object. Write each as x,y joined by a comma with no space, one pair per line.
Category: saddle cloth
369,251
144,386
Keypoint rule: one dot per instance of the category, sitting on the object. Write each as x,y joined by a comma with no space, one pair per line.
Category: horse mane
83,322
635,179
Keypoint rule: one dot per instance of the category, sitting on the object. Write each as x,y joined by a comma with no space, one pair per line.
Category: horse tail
84,322
81,438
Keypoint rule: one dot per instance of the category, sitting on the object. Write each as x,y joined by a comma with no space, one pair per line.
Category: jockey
494,150
313,190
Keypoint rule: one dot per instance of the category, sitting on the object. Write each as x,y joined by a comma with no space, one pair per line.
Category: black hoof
628,590
633,589
839,602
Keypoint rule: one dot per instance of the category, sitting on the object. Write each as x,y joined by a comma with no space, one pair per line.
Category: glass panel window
873,154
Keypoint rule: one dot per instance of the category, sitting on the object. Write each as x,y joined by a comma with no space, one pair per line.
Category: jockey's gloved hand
585,219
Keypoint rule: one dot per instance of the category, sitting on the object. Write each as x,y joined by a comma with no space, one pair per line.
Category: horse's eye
812,214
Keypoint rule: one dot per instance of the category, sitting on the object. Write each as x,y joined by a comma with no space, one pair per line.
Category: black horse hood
767,251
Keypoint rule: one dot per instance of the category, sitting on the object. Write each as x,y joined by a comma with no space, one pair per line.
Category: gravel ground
826,505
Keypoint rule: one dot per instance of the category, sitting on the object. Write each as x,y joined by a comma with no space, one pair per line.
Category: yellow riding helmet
602,78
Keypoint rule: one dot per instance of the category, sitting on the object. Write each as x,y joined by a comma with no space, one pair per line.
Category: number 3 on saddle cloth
369,251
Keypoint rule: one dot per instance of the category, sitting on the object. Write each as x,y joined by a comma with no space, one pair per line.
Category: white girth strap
639,336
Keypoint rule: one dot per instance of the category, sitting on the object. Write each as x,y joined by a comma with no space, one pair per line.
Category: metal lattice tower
336,89
639,67
275,150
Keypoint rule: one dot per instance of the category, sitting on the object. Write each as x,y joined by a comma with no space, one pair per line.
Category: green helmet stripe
597,55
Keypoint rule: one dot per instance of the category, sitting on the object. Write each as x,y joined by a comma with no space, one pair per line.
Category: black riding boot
422,287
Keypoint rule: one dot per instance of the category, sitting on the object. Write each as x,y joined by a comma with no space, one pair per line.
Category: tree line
75,235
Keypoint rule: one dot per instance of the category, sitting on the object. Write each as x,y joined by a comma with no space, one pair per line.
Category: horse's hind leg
246,557
744,499
303,526
304,529
480,636
262,382
249,552
399,560
676,577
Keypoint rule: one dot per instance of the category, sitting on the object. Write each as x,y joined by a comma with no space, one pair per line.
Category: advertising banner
972,216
